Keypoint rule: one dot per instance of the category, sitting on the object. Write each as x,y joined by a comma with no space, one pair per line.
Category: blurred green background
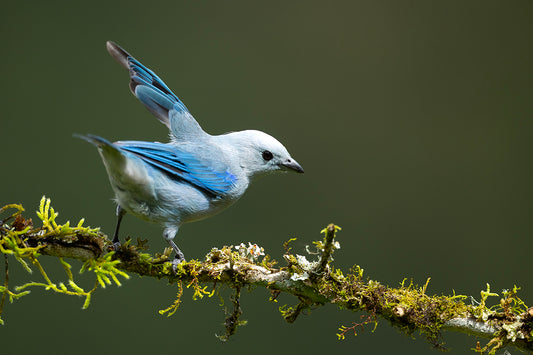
412,120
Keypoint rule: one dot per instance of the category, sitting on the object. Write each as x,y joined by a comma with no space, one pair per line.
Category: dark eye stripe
267,155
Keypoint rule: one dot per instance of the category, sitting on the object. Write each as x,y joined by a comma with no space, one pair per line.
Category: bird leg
179,257
169,233
120,213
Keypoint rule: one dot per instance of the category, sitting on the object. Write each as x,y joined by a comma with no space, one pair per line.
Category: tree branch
313,282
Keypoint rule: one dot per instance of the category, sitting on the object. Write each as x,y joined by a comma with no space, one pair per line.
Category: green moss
407,307
15,241
512,316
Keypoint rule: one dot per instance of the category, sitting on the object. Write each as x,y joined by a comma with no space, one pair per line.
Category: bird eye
267,155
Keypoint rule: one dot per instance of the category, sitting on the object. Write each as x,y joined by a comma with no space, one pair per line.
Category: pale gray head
261,153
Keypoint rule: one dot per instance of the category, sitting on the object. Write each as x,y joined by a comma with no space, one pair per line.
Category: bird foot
114,247
177,260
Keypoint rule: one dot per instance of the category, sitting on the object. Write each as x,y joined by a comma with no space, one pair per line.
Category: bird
195,175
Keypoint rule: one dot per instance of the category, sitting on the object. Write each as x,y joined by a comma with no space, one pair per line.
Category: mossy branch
314,283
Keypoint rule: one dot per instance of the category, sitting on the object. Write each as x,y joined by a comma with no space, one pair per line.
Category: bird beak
292,164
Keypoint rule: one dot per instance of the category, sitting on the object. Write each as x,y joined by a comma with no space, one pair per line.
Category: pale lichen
252,252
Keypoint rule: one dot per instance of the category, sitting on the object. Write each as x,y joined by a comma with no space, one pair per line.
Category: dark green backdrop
412,120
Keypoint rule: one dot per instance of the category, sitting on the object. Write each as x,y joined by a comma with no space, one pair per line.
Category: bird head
261,153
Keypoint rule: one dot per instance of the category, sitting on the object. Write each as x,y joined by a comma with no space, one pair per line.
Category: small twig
232,321
368,319
291,314
328,249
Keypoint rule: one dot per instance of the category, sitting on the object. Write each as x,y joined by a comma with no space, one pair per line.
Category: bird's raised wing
182,165
156,96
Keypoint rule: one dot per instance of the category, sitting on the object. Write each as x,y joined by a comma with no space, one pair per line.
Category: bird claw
114,247
175,264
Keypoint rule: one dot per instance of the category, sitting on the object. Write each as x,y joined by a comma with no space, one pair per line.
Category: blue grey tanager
195,175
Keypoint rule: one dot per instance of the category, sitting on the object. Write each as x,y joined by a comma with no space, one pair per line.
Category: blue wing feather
141,75
181,165
157,97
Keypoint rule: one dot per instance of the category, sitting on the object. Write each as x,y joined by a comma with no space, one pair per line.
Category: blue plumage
195,175
182,166
152,91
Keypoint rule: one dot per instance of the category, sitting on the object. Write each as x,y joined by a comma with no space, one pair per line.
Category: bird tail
109,152
95,140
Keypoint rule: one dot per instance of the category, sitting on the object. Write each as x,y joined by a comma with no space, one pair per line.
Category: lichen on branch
311,277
